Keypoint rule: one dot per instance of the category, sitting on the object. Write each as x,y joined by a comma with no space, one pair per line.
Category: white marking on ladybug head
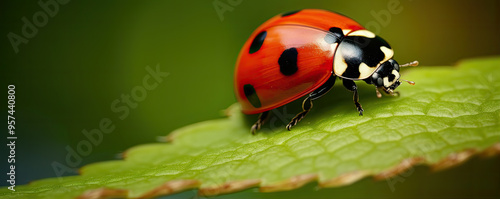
339,64
362,33
388,53
388,83
365,70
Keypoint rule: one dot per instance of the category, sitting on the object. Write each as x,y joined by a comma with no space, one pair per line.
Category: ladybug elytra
302,53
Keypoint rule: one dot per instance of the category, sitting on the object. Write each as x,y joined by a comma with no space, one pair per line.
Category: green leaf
450,114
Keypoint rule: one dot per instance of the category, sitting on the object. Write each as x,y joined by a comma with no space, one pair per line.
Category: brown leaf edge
294,182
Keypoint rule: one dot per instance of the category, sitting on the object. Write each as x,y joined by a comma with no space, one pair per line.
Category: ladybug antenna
413,63
409,82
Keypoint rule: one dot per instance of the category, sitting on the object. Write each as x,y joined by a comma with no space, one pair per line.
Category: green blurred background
92,52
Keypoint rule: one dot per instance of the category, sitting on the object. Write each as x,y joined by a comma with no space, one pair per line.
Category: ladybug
301,53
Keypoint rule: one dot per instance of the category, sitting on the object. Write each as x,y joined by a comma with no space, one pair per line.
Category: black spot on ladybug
257,42
288,61
334,36
391,77
290,13
251,95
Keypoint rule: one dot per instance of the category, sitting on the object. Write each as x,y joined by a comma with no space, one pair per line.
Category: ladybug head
386,77
363,55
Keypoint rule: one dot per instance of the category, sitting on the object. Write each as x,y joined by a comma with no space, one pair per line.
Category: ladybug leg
306,107
307,103
379,95
350,85
390,92
262,118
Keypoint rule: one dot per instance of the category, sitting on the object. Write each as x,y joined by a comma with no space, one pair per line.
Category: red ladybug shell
288,57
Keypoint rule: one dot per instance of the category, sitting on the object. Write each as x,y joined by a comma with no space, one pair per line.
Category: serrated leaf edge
103,193
295,182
